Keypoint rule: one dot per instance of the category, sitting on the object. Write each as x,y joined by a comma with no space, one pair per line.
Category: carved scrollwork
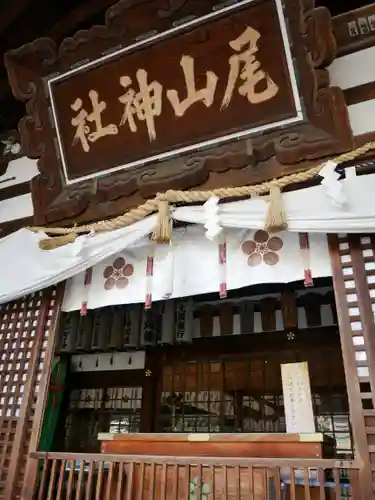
320,42
28,65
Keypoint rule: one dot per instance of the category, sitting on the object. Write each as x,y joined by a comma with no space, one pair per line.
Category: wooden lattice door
27,331
353,263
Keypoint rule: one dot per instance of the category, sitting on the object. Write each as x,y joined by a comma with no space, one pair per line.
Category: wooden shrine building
187,250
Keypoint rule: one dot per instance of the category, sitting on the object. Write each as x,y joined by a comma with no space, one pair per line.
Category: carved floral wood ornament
324,131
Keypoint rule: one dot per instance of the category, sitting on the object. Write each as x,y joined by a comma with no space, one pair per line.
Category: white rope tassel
275,218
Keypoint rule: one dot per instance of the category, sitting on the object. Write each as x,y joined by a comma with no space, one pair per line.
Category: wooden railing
115,477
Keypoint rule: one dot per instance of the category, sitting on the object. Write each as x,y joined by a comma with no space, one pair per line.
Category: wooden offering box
168,481
219,445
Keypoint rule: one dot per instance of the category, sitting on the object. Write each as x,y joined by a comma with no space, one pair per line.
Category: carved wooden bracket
326,130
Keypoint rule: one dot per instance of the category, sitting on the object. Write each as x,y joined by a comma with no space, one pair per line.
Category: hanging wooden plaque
247,311
289,310
84,334
117,327
102,328
68,331
152,324
268,313
206,316
178,93
184,321
224,78
226,318
132,326
312,304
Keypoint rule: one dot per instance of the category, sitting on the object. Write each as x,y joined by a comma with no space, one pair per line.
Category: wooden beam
14,225
151,392
14,191
360,93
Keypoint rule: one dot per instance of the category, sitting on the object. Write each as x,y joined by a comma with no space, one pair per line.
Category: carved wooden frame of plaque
325,132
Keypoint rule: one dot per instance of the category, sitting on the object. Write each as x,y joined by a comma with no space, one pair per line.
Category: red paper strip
149,276
223,289
304,245
86,288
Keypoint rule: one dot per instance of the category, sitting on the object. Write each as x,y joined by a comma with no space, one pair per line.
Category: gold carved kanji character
145,104
250,73
206,95
81,122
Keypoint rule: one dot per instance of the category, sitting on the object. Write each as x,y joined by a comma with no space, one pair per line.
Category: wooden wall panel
172,322
27,328
353,266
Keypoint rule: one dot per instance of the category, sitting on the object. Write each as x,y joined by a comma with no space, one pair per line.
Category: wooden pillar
50,338
353,267
30,323
150,391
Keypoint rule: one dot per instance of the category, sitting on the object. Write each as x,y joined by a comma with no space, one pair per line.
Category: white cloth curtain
25,268
194,268
308,210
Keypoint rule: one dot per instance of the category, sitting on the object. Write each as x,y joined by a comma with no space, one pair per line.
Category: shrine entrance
244,394
226,387
226,379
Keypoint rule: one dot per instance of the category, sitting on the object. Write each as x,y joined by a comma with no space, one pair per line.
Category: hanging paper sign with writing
299,415
225,75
